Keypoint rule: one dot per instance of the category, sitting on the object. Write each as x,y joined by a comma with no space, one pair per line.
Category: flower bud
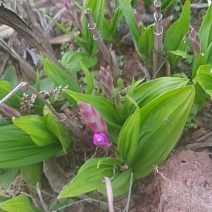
137,16
100,140
107,82
92,118
9,111
195,42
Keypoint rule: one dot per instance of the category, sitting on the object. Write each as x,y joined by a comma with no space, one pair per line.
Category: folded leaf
205,31
56,128
128,13
204,78
162,121
58,75
128,137
71,61
35,126
90,176
17,148
20,203
146,92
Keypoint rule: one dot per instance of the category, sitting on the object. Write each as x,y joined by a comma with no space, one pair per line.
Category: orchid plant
136,127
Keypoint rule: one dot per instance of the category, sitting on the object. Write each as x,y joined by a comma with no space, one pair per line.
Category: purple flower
92,117
101,140
96,123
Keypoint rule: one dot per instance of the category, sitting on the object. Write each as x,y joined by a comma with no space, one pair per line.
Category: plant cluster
136,127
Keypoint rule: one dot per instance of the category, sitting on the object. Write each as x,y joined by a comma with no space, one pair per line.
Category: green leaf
148,91
97,10
205,31
21,203
178,29
198,60
110,28
89,177
81,41
128,137
7,176
32,173
2,199
120,183
101,104
97,13
11,75
146,43
71,61
89,78
17,148
166,4
58,75
204,78
182,54
5,88
128,13
176,56
58,130
200,97
208,53
115,22
162,121
35,126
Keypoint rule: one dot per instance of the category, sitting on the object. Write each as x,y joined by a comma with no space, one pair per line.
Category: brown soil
186,182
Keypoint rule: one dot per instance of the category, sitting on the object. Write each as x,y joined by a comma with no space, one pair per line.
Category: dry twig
158,39
97,37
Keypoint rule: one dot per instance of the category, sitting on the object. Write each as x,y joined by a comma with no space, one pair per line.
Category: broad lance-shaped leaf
71,61
205,31
178,29
58,75
89,78
90,175
146,44
175,38
5,88
128,137
128,13
7,177
162,122
204,78
36,127
17,148
20,203
148,91
57,129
